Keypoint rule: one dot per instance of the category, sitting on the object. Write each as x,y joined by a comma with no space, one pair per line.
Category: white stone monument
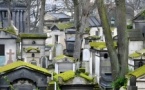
59,49
86,55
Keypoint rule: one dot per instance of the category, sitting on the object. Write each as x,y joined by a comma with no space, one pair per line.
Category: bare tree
108,38
82,9
122,37
119,61
42,12
9,12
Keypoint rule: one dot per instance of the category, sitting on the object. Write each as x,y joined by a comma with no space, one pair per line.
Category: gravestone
59,49
44,62
86,55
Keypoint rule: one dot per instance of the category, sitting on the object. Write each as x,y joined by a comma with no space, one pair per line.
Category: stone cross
10,53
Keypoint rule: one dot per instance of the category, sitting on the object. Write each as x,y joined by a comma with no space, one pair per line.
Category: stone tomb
32,47
75,81
23,76
136,59
101,67
63,63
70,40
139,80
7,47
59,49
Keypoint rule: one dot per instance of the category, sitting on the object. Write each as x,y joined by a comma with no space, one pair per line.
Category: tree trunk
77,44
9,13
108,38
42,12
122,37
28,16
80,23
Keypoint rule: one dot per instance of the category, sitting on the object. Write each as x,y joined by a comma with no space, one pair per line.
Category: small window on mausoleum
140,63
105,55
33,55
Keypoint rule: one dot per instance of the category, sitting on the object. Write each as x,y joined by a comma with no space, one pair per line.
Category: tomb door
2,54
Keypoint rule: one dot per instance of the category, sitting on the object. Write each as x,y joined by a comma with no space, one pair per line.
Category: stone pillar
21,19
17,19
132,85
1,25
13,17
74,67
56,68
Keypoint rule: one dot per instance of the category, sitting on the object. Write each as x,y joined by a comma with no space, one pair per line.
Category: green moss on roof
137,54
100,45
9,30
51,82
93,37
17,64
138,72
134,55
86,77
141,51
28,49
63,26
62,57
65,76
38,36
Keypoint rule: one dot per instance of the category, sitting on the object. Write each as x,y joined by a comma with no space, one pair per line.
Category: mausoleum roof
32,36
138,72
9,30
100,45
94,37
60,57
63,26
67,75
137,54
20,64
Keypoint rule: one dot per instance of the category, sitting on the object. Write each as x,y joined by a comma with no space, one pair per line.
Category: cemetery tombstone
44,61
86,55
59,49
87,61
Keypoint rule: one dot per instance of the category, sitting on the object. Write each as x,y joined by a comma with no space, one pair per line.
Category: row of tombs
54,67
34,66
